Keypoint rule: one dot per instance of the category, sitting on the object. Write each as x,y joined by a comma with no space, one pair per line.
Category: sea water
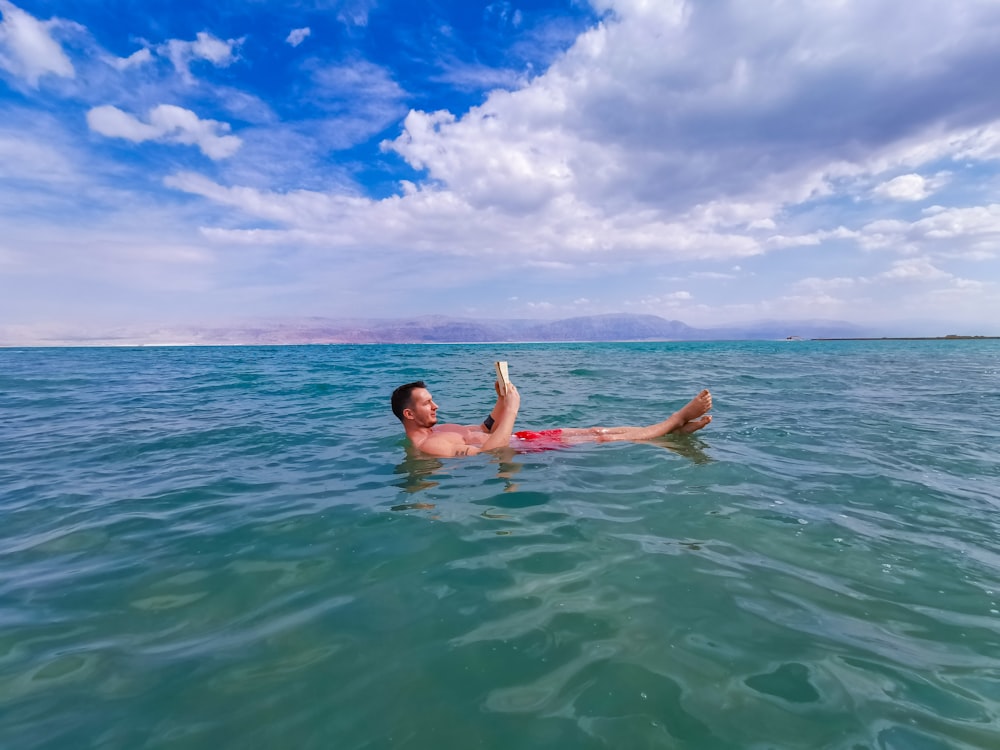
229,548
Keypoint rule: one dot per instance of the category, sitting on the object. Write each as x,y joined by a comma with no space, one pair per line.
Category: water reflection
691,448
417,470
507,468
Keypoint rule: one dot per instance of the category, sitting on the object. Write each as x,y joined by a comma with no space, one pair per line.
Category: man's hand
511,401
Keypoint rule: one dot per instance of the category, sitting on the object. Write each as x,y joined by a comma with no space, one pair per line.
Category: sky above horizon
711,162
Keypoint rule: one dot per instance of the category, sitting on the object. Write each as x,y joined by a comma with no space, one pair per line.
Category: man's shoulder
444,444
440,436
449,428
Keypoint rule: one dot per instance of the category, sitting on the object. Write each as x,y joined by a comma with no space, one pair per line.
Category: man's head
406,397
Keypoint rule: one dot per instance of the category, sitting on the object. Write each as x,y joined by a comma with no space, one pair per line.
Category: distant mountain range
613,327
441,329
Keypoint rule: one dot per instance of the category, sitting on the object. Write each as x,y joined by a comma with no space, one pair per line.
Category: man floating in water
414,406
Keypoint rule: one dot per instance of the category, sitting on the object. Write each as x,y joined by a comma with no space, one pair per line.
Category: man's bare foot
694,425
696,406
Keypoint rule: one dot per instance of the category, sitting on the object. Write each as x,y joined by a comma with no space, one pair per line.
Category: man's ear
408,413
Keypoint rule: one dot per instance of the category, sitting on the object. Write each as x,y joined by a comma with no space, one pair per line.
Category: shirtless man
415,408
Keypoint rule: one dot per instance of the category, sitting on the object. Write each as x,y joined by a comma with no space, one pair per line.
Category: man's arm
450,444
494,413
507,406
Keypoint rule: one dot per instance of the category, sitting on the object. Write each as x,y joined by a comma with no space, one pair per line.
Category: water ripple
229,547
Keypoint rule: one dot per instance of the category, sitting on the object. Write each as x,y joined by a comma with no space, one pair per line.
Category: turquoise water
228,548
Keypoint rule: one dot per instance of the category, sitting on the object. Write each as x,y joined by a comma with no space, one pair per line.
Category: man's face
423,408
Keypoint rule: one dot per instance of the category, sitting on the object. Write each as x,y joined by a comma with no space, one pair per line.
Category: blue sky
713,162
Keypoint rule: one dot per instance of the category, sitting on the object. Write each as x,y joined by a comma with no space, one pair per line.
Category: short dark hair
401,397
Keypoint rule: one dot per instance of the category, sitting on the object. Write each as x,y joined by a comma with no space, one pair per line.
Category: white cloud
910,187
438,222
816,285
970,284
974,229
728,127
33,159
167,124
27,48
812,239
907,187
136,59
911,270
649,141
573,166
297,36
713,275
473,77
916,270
204,47
360,98
670,131
661,303
550,265
954,223
356,79
355,12
979,144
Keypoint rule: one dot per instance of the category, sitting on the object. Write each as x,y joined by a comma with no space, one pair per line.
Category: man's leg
689,418
694,425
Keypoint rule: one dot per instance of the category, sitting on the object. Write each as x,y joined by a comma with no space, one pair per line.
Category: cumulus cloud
439,222
668,131
167,124
907,187
910,187
135,60
908,271
915,269
27,48
949,224
204,47
971,227
730,110
297,36
811,239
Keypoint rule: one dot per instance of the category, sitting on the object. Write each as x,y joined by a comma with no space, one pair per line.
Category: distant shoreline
513,342
437,329
911,338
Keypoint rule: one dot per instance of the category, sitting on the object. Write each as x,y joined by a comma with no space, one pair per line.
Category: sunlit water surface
228,548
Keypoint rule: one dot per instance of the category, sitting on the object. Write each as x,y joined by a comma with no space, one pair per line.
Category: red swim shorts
543,440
